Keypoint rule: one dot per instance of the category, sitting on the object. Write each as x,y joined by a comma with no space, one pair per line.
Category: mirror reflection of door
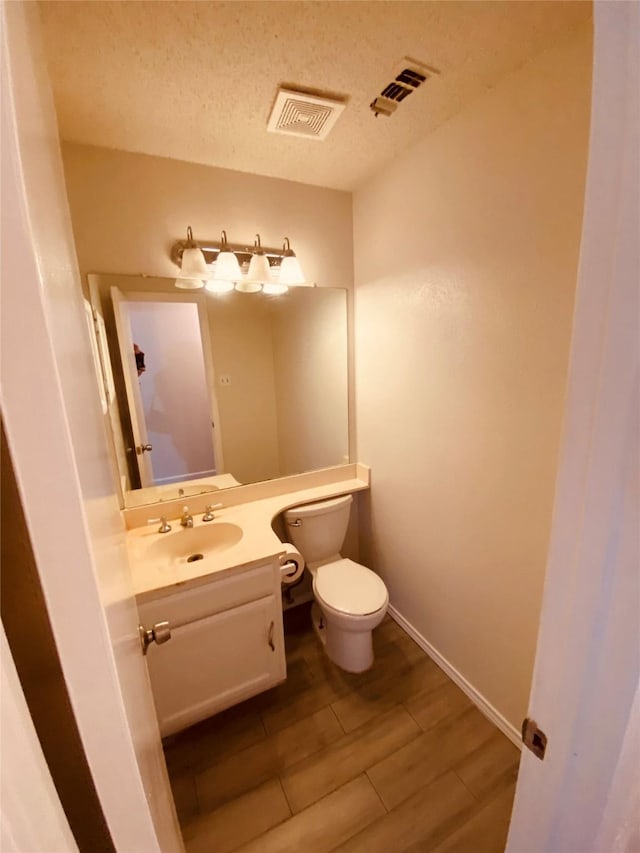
138,452
169,399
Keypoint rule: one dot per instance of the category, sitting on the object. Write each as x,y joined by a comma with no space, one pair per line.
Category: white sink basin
192,544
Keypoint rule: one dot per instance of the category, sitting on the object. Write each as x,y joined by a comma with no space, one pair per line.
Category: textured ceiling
196,81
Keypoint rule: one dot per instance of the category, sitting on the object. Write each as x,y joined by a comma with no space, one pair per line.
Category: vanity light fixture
258,273
245,286
290,269
227,266
193,266
214,286
273,288
236,266
189,283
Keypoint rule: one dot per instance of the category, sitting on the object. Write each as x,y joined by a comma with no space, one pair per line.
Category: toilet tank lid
317,508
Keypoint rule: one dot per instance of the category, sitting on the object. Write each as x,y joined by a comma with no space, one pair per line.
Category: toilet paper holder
291,565
288,569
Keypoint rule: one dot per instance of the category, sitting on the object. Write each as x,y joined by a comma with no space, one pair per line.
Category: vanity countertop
190,489
156,574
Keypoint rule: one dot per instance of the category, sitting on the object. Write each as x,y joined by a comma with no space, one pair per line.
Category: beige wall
128,209
466,252
242,344
310,358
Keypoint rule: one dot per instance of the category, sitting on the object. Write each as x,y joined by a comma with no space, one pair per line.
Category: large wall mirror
205,391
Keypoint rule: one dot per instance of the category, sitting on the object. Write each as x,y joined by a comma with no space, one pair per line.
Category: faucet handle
164,526
208,512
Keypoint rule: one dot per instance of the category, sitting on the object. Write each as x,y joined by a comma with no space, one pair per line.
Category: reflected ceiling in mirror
205,391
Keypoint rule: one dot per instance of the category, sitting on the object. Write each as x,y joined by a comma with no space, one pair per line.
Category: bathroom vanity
224,608
227,642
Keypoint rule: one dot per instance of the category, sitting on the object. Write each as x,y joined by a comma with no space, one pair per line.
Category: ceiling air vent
300,114
409,76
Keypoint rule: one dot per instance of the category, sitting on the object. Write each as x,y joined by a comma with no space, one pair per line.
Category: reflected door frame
198,299
120,303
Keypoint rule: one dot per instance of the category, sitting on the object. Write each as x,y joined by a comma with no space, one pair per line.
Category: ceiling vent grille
409,76
299,114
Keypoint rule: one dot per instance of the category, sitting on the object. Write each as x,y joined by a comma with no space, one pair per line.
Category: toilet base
350,650
319,623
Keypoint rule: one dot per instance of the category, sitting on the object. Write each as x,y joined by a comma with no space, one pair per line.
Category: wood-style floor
394,759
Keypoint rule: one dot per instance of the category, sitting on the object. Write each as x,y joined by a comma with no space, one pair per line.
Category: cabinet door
216,662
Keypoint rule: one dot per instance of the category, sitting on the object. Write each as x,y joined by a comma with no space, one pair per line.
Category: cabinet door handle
271,643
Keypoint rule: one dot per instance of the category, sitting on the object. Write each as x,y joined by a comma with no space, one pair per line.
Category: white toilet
351,600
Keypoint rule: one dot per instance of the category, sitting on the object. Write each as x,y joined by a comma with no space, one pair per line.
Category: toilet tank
318,529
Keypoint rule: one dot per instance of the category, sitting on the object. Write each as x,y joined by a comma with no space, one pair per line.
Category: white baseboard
476,697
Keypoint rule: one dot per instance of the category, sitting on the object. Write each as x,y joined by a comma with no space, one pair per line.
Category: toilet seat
350,588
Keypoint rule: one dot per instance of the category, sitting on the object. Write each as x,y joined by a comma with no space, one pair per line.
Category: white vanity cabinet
227,643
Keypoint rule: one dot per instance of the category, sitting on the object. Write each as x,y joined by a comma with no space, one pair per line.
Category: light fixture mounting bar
211,251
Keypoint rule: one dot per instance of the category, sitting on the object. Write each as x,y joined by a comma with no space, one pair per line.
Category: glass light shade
291,271
214,286
245,286
189,283
259,269
274,289
227,267
193,264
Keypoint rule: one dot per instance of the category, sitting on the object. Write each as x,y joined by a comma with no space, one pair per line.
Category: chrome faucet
208,512
164,526
186,520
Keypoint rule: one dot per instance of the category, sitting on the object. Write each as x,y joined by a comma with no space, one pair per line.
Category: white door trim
588,655
53,421
133,395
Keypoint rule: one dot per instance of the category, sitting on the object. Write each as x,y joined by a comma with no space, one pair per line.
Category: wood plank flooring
393,759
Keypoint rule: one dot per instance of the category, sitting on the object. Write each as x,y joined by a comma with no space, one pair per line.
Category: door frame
52,415
133,397
587,670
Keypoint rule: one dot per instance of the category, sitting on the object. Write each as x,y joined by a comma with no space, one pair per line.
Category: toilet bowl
350,599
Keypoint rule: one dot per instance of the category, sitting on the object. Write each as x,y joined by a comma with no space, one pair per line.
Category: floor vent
410,75
300,114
